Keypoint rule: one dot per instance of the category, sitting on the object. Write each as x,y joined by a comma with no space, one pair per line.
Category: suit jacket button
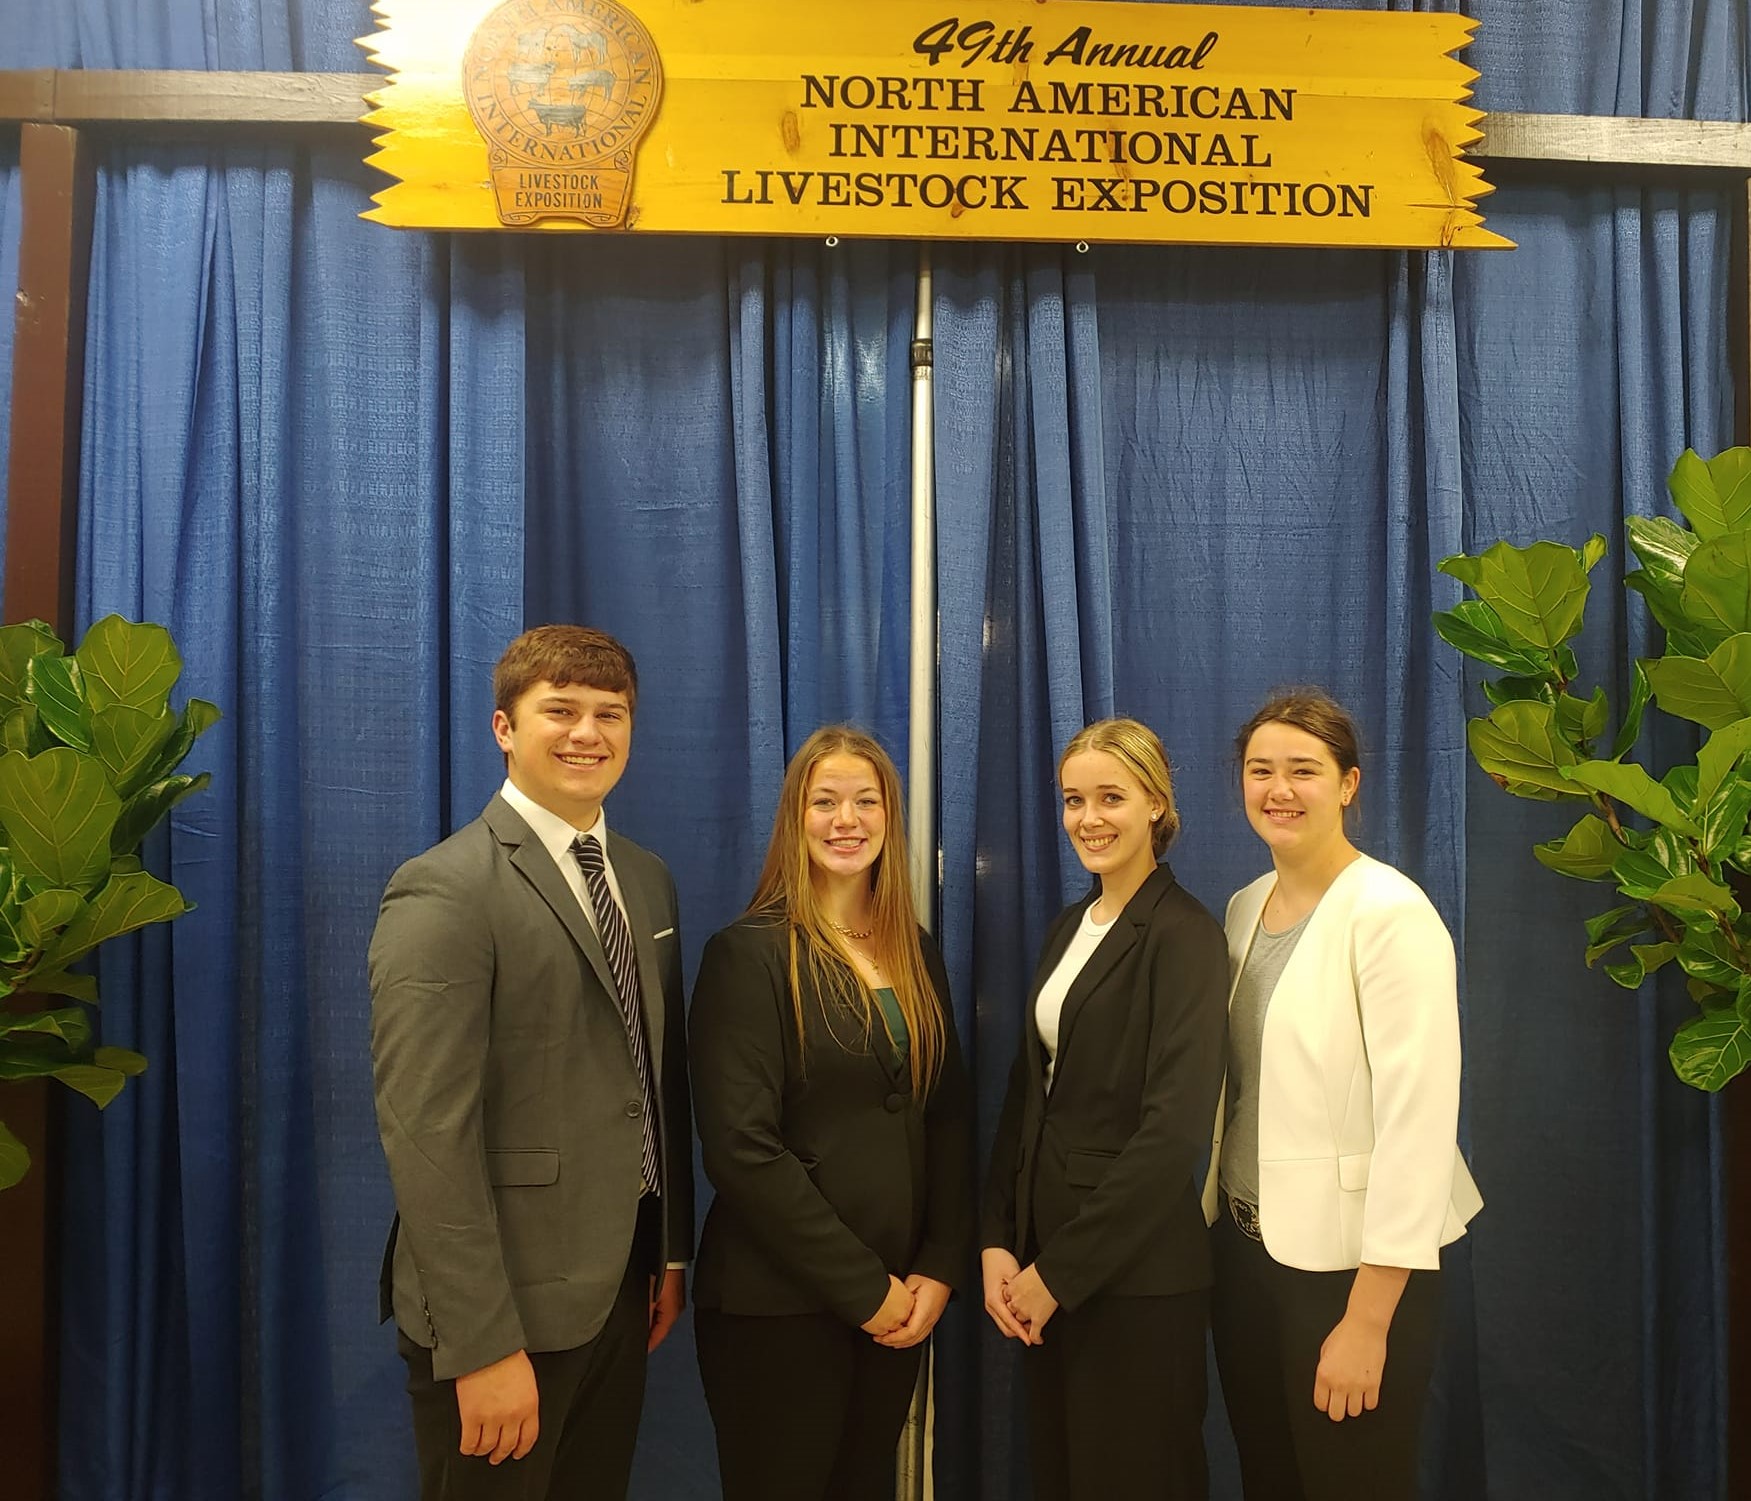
895,1103
634,1109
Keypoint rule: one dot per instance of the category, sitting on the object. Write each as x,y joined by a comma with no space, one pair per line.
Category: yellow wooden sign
1002,120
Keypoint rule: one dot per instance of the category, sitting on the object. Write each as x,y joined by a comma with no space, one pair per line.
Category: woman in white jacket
1335,1178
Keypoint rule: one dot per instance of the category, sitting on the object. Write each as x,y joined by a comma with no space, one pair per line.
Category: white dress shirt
557,835
1049,1008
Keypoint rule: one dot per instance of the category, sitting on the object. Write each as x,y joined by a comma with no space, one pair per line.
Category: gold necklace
840,928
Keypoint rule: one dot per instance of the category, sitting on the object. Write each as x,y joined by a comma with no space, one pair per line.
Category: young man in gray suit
528,1049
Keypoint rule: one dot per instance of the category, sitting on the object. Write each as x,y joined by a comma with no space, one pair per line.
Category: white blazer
1358,1079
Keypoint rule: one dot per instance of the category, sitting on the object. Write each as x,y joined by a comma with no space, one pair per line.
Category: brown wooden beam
1616,141
88,97
28,94
109,97
48,373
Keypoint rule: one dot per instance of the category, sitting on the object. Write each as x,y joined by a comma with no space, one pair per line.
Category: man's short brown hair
563,655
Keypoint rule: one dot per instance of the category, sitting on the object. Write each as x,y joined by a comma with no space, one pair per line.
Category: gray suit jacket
506,1094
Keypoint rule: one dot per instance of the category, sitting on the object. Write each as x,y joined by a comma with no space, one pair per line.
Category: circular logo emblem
555,87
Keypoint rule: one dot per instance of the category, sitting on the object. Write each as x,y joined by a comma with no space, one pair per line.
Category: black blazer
829,1174
1095,1181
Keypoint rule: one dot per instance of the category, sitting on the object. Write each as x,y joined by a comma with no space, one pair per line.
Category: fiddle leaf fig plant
1682,871
89,751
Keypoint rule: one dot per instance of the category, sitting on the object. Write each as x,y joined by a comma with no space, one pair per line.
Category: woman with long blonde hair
1094,1253
833,1114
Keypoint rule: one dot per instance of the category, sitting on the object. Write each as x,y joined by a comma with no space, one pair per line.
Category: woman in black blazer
833,1113
1096,1255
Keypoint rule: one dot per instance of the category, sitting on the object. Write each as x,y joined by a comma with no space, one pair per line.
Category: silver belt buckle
1246,1218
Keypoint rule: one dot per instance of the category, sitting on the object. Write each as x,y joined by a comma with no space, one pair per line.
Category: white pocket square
666,933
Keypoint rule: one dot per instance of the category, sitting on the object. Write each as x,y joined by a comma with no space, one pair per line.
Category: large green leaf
22,730
47,913
1474,628
1585,852
1721,817
1617,920
53,687
57,810
14,1159
68,1023
18,644
1683,636
1661,856
122,1060
1519,746
1710,1049
16,938
128,663
1539,593
1714,494
1640,691
1717,585
1629,784
1695,898
98,1084
198,716
64,982
128,741
32,1055
1719,755
1644,959
1511,689
1464,567
1611,929
148,806
1664,549
1714,692
1704,955
125,902
1582,719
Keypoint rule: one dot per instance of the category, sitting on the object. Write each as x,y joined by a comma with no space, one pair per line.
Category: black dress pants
1116,1394
806,1407
590,1401
1270,1321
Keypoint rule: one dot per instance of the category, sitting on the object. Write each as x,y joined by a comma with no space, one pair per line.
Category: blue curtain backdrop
344,465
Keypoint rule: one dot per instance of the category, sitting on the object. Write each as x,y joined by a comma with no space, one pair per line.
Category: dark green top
891,1014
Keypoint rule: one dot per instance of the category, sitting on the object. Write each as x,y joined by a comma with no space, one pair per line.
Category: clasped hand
909,1312
1019,1302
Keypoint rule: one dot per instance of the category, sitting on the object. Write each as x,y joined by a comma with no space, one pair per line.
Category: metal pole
913,1480
921,746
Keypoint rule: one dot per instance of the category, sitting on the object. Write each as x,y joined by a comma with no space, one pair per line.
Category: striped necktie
617,942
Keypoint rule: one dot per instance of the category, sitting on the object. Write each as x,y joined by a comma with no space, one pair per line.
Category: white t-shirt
1050,1006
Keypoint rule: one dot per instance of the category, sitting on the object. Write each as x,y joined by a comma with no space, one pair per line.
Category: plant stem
1609,811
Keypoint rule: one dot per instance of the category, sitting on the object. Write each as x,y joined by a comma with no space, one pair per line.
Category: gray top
1265,960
